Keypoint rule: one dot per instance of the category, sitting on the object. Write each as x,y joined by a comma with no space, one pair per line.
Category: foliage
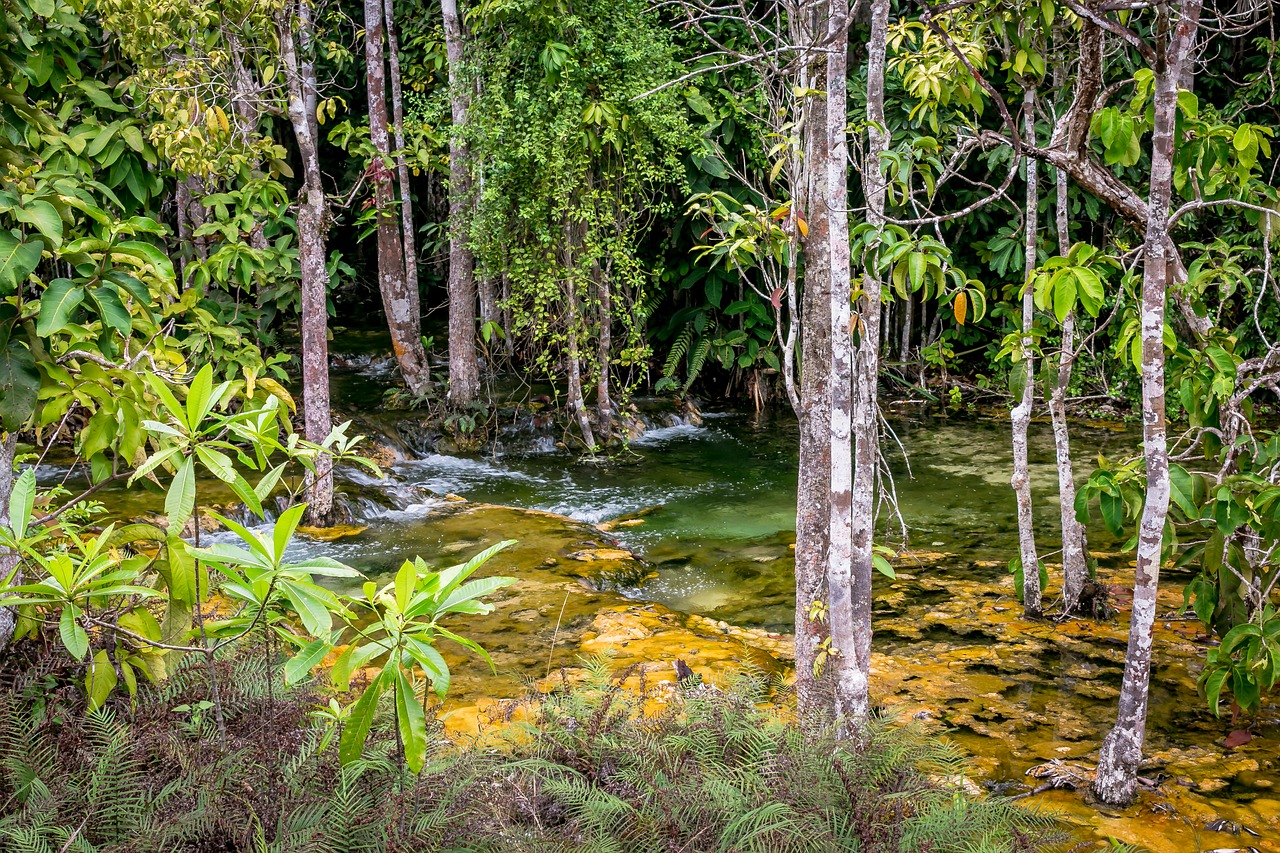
713,770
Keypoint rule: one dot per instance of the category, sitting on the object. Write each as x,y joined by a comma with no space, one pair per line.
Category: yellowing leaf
961,307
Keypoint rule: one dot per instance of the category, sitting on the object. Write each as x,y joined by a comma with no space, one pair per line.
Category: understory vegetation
584,769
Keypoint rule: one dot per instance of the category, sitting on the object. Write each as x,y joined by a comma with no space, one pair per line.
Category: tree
464,368
1121,755
312,209
401,304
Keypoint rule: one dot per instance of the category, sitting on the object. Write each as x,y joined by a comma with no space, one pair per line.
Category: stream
708,505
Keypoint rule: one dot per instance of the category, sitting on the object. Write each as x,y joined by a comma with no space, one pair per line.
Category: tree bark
576,402
1074,568
464,365
1021,416
404,313
8,558
844,588
314,319
1121,754
814,703
604,350
408,233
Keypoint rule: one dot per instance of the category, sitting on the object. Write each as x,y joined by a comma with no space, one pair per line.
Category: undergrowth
585,770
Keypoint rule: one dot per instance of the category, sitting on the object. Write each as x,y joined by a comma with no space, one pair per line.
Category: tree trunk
8,558
576,402
848,589
404,314
604,400
316,418
904,343
464,365
1074,569
1121,753
1021,416
814,704
408,233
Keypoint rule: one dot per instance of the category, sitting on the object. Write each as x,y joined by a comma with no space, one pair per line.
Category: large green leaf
19,385
59,300
111,309
412,722
100,680
299,666
73,635
360,718
21,501
17,261
44,217
180,501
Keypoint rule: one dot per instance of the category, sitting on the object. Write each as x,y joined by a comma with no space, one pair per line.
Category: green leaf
1182,490
181,575
360,718
17,261
59,300
883,566
285,525
1112,507
1092,293
111,309
180,501
44,217
300,665
1064,295
916,264
413,724
100,680
246,493
1213,689
406,579
73,636
19,385
21,501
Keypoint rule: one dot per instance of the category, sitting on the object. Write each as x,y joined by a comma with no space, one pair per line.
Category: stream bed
681,547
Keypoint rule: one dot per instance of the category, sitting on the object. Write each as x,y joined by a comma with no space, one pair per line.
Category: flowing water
709,506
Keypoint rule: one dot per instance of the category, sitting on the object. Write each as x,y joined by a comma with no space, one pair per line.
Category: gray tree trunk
404,312
8,558
815,704
844,588
1021,416
1074,568
464,365
1121,755
316,418
408,233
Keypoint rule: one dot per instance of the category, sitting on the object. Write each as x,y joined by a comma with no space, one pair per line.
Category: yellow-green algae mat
958,656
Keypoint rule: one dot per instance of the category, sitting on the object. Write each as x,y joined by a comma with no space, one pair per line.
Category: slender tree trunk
866,413
604,400
315,278
464,365
1021,417
1074,569
576,402
404,313
848,578
1121,753
815,704
8,558
408,233
904,343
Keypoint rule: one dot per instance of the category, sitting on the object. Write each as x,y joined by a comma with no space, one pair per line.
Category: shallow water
710,508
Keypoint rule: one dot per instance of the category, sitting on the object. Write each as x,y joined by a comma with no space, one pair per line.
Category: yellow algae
330,534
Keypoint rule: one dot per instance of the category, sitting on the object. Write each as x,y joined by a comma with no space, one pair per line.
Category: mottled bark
848,634
1074,568
577,404
813,693
8,558
1021,416
1121,753
604,351
402,307
464,365
314,318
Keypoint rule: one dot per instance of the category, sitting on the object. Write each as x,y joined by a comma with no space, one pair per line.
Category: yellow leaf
222,119
803,226
961,306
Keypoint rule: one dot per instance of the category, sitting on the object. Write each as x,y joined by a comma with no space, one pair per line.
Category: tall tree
1021,418
846,597
1121,754
464,366
401,304
311,210
408,233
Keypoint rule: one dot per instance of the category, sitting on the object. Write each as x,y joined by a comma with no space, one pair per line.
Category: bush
712,770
